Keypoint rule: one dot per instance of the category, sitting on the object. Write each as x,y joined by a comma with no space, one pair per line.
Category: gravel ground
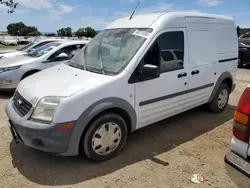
165,154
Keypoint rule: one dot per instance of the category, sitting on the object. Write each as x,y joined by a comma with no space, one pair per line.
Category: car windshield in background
26,47
111,50
44,49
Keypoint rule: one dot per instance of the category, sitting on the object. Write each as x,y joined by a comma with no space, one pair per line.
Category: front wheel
220,100
105,137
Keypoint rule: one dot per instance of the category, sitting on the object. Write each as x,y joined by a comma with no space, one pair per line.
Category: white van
132,74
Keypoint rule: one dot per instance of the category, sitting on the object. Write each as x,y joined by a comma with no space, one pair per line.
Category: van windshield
111,50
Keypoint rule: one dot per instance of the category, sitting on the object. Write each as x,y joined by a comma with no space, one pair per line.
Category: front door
162,97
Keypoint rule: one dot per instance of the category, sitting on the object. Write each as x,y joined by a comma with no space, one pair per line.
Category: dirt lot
165,154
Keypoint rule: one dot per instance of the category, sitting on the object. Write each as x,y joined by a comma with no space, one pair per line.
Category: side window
172,51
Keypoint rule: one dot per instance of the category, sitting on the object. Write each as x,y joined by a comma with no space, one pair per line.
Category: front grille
22,106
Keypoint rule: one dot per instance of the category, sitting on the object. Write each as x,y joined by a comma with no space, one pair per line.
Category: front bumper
238,163
10,79
45,137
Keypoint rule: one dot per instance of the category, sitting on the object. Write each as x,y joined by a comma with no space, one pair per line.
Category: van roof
176,19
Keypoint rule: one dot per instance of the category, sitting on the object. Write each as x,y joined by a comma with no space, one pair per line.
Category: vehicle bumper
238,169
41,136
9,80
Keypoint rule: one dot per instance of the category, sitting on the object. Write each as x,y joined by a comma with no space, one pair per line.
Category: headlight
46,108
9,68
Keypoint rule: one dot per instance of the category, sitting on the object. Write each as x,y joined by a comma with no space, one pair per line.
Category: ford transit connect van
132,74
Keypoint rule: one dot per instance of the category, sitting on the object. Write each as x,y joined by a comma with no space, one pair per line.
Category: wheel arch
113,105
226,78
29,72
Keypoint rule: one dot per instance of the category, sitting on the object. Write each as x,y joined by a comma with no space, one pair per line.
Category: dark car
244,52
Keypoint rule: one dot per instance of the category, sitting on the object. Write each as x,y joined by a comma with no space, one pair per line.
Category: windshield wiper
100,56
75,66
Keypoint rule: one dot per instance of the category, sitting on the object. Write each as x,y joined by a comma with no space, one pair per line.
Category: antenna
134,11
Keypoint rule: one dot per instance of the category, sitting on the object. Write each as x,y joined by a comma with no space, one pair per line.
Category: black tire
86,142
240,62
213,105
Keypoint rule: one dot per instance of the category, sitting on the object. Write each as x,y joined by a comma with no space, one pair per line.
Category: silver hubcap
106,138
222,99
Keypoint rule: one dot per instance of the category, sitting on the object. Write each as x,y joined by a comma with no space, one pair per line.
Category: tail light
242,116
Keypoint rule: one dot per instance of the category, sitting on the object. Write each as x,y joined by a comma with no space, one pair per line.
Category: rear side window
172,51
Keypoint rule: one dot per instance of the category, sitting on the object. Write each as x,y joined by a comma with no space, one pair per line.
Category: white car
91,103
9,40
16,68
26,49
238,159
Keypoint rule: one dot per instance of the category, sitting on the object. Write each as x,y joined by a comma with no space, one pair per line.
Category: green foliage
80,32
86,32
20,29
65,32
9,3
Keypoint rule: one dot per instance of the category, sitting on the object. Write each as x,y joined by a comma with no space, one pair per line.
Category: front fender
93,111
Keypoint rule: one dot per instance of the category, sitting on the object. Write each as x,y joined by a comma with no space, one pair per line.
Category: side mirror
31,50
62,56
150,72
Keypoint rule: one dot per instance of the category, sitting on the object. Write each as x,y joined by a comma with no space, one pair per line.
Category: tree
50,34
65,32
9,3
238,30
20,29
34,33
80,32
90,32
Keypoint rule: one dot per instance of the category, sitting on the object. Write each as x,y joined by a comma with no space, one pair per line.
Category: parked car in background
238,160
9,40
244,52
26,49
22,40
14,69
117,83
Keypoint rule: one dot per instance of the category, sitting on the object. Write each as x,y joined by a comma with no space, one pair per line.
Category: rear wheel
240,62
105,137
220,100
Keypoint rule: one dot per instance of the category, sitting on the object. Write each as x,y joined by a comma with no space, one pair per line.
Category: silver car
26,49
14,69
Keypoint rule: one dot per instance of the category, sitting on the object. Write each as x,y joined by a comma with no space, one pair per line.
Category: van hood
15,60
60,80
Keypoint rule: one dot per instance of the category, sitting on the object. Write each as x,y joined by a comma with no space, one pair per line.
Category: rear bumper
238,163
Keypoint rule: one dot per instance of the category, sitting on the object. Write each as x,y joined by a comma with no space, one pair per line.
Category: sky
51,15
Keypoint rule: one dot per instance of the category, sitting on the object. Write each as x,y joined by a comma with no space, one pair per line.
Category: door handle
182,75
195,72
